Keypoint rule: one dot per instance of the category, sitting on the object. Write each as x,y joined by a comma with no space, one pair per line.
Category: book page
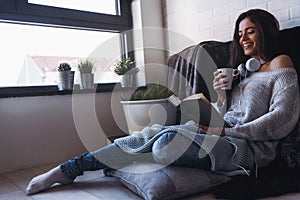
198,96
198,108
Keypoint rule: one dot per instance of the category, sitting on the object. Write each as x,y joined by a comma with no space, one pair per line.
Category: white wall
201,20
149,39
41,130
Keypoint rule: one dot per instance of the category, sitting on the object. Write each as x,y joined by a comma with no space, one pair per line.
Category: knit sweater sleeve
281,119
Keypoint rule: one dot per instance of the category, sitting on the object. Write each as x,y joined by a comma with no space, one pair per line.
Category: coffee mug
229,73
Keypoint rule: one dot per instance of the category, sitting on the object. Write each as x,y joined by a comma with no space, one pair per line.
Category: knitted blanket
240,162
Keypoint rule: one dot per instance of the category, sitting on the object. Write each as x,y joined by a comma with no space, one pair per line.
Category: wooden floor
87,187
91,186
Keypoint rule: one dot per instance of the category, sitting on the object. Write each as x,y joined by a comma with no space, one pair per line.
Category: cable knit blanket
241,162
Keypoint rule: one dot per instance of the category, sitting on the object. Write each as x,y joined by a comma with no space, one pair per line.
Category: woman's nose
244,37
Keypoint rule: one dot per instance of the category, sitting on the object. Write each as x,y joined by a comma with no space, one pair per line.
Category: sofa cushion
158,182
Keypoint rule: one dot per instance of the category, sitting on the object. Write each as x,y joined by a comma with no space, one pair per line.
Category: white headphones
252,65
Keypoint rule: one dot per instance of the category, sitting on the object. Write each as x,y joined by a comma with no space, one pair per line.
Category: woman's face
248,38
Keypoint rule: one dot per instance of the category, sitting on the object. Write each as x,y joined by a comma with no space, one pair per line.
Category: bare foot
46,180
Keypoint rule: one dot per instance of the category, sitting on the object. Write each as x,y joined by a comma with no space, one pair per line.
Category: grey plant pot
129,80
65,80
87,81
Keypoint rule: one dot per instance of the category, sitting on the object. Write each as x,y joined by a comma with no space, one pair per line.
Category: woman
262,109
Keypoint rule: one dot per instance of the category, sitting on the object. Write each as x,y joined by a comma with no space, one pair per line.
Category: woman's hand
211,130
218,83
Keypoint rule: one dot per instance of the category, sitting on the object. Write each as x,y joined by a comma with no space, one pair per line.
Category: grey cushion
157,182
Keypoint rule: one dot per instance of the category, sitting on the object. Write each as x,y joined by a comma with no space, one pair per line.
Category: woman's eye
251,32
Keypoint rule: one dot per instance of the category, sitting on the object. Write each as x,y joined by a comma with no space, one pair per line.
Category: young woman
262,108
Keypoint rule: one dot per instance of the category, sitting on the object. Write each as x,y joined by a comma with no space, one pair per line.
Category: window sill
29,91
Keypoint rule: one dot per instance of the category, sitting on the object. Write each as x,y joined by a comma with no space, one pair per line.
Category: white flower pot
140,114
128,80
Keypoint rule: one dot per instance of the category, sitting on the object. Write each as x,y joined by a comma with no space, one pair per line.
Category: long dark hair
268,28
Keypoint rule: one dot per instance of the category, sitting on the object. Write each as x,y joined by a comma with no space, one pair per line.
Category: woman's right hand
218,83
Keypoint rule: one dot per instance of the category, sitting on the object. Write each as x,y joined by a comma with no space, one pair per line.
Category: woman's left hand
211,130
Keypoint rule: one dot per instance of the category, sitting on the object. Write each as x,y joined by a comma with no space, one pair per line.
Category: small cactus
64,67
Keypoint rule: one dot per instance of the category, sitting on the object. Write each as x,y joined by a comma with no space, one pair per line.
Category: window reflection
98,6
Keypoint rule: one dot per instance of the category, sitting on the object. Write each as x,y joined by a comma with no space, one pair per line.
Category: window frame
20,11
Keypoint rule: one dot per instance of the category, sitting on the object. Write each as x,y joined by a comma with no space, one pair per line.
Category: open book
199,109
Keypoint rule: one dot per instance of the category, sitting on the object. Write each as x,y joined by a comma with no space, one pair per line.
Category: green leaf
127,66
151,92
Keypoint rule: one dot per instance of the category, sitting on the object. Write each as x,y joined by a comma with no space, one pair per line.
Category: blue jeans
173,148
164,150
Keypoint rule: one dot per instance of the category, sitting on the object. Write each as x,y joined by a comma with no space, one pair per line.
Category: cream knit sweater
263,109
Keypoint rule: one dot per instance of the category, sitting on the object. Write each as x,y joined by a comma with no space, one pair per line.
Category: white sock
44,181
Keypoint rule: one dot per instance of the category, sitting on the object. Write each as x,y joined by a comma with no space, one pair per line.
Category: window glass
98,6
30,54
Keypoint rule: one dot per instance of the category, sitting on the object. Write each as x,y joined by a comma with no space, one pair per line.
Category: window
33,56
38,34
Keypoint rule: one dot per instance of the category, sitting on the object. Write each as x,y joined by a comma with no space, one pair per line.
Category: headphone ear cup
253,64
242,69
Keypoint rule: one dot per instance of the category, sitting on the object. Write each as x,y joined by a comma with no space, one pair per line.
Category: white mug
229,73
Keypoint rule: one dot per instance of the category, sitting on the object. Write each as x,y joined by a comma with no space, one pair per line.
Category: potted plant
85,68
148,106
65,76
128,70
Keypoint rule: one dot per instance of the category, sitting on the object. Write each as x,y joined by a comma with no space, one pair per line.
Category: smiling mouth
247,46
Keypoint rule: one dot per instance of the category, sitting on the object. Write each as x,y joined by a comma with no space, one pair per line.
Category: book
199,109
